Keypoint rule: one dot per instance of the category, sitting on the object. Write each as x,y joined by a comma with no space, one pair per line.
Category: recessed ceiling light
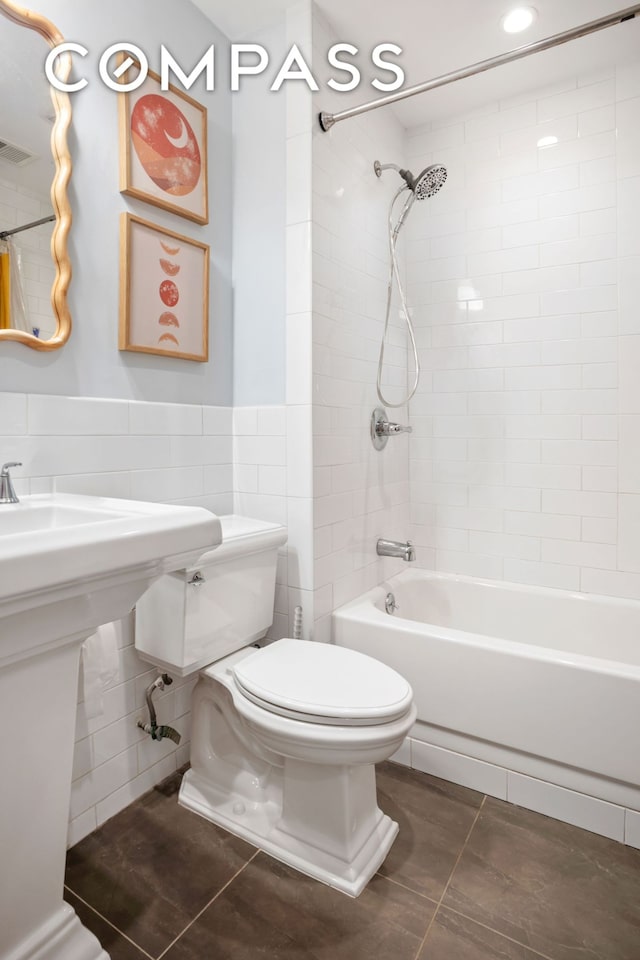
519,19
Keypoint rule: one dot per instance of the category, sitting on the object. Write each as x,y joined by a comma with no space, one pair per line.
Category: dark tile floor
469,878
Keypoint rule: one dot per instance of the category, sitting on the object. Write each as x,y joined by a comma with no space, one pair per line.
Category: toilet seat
323,684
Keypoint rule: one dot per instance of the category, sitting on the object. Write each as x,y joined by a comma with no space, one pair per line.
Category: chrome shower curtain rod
327,120
28,226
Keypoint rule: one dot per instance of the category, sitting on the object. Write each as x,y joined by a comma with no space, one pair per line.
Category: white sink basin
54,539
30,517
67,565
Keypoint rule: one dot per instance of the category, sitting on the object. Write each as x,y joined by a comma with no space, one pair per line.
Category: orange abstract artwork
158,314
166,145
163,150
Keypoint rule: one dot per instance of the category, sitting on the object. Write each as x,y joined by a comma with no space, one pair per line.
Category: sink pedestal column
67,564
38,699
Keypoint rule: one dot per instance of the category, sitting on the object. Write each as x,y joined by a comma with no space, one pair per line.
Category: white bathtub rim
419,573
367,609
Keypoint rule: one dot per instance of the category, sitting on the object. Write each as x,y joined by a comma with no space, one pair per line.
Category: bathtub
525,693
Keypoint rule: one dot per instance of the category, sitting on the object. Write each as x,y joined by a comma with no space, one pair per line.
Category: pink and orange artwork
164,291
164,149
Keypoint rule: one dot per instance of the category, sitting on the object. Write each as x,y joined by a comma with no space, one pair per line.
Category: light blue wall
90,363
259,231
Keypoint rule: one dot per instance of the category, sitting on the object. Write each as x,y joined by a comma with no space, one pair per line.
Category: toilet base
355,838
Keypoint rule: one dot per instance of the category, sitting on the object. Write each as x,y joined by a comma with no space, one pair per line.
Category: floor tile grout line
505,936
109,923
453,870
207,905
404,886
462,850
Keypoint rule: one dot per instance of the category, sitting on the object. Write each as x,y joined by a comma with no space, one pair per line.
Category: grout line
404,886
108,922
207,905
459,913
453,870
499,933
464,847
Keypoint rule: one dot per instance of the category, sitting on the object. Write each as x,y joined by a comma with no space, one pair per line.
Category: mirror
35,167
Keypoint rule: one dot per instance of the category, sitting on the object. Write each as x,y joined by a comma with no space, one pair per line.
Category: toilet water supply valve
161,732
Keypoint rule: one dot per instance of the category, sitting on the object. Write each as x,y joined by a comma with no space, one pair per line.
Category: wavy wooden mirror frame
59,199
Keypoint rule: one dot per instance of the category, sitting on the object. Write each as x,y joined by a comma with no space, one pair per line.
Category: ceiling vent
11,153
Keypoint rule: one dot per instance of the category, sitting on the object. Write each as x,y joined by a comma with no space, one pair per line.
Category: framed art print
163,149
164,291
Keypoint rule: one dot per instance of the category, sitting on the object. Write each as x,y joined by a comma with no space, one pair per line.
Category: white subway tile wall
149,451
524,277
359,494
261,489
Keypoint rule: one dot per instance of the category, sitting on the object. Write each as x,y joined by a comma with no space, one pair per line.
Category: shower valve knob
388,429
382,428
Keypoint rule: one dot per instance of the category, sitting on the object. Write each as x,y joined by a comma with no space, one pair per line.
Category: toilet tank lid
242,536
323,680
234,526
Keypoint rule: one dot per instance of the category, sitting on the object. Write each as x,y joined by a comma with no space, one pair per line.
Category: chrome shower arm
379,167
406,175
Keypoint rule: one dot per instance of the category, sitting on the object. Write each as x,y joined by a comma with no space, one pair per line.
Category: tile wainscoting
176,453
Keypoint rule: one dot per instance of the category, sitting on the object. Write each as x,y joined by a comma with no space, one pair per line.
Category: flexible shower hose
394,272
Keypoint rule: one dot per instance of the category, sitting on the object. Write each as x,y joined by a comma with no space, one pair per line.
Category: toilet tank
193,617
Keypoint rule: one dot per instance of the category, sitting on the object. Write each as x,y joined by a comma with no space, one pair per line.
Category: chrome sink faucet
396,548
7,493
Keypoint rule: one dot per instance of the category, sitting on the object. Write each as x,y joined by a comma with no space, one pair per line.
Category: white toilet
284,738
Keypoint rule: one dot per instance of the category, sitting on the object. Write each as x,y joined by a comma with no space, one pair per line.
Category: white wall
273,446
359,494
525,279
90,363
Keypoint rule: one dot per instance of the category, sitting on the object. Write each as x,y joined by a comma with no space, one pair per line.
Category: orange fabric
5,291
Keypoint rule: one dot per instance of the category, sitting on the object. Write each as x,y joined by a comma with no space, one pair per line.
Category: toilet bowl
284,737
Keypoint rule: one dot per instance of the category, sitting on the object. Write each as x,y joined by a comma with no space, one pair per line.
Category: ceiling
438,38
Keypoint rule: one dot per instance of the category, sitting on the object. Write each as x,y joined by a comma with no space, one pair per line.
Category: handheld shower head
426,184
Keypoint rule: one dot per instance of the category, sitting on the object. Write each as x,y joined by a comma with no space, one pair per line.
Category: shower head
426,184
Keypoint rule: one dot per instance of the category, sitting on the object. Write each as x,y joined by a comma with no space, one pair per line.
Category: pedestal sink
67,565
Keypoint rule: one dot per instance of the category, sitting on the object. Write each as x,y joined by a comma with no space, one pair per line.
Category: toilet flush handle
197,579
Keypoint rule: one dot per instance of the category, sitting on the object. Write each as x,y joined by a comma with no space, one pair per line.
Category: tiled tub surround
525,693
525,277
142,451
